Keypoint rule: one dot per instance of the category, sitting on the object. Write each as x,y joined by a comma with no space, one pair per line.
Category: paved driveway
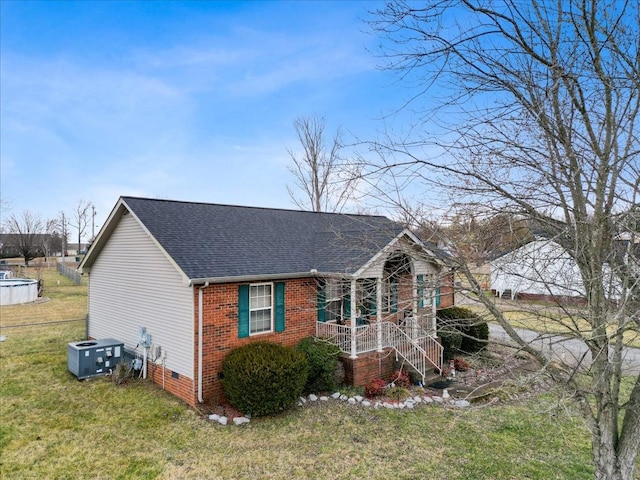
567,349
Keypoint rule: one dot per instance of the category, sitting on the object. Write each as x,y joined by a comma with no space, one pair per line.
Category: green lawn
54,426
68,301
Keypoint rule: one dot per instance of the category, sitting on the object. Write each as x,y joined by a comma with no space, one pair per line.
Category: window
367,297
390,295
425,292
260,308
334,301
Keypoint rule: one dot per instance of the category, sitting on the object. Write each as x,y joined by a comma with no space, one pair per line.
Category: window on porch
334,300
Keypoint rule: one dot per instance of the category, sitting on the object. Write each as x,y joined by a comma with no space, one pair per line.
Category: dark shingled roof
210,241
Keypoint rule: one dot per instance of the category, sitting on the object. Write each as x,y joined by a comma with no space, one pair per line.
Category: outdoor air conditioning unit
93,358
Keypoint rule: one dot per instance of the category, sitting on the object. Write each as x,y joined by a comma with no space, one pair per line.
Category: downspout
86,318
200,328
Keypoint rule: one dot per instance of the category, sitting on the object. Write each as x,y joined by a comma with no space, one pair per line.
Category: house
544,270
38,244
541,269
182,284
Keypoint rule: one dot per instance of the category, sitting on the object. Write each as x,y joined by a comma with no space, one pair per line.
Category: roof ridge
253,207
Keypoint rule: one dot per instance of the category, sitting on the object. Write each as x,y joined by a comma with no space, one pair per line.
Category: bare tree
327,183
533,108
25,230
480,239
51,238
82,215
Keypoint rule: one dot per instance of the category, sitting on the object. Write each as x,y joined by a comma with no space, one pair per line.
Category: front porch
419,349
386,307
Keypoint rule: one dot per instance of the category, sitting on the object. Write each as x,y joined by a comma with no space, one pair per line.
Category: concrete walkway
569,350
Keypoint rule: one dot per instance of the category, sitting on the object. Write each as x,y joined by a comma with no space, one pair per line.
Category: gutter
200,328
259,278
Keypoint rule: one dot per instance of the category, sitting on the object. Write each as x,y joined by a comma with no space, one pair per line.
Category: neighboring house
203,279
39,243
543,270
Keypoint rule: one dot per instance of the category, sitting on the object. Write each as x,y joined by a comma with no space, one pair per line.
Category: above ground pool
18,290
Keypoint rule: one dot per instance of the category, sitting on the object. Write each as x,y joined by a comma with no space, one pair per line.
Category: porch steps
423,355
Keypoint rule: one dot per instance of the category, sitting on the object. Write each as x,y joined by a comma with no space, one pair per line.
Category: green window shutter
394,295
420,291
243,311
322,307
437,296
347,305
279,304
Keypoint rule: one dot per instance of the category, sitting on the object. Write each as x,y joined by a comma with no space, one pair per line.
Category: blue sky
182,100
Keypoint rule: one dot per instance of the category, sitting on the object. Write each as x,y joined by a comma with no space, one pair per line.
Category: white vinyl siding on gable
132,284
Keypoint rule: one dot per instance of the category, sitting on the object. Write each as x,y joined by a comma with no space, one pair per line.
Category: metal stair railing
421,353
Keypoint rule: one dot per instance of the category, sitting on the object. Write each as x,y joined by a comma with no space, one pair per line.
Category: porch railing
422,351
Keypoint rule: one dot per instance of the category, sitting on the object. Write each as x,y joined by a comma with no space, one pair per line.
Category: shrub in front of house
451,339
461,330
323,359
476,336
264,378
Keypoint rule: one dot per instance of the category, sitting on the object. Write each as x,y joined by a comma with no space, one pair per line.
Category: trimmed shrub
323,361
476,336
451,340
473,332
375,388
264,378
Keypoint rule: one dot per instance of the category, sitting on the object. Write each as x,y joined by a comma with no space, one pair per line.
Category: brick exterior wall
182,387
220,336
447,296
220,328
558,299
368,366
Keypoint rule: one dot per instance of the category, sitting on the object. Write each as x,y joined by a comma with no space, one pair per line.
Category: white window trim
336,287
271,309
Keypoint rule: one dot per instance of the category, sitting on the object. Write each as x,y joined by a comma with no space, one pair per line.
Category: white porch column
414,307
354,318
379,312
433,311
